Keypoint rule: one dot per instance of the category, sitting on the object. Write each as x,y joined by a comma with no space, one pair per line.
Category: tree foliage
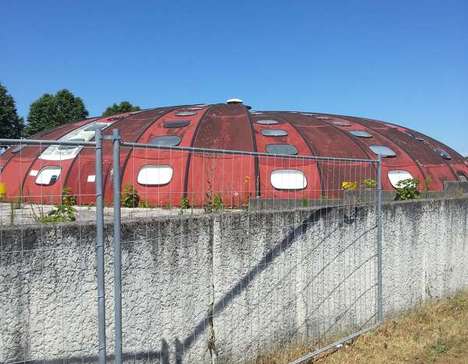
11,125
50,111
123,107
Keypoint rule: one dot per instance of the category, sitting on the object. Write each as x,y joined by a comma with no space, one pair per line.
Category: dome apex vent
234,101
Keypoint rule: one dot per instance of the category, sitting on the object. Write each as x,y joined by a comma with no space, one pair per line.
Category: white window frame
44,177
398,175
288,179
155,175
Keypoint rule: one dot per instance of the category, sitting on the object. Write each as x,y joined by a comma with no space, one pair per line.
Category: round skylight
443,153
267,122
274,132
341,123
17,148
287,149
176,124
165,140
96,126
186,113
361,134
382,150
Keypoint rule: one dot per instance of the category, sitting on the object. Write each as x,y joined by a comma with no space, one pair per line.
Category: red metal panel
331,140
172,193
269,164
433,169
15,173
229,177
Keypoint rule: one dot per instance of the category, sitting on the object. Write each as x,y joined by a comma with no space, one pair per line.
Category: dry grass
436,332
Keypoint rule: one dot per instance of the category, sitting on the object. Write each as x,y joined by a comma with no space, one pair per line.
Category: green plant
65,212
370,183
217,202
144,204
407,189
214,202
427,182
130,197
67,198
12,213
184,203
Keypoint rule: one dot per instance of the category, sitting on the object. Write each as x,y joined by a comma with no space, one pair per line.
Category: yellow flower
349,185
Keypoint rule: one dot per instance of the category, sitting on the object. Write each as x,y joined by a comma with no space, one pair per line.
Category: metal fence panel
219,255
48,297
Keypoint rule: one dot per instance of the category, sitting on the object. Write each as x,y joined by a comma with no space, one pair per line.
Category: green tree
11,125
50,111
124,106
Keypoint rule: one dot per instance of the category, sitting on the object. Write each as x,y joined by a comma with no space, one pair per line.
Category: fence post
117,247
100,249
379,242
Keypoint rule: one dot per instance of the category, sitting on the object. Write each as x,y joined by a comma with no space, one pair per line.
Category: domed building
281,166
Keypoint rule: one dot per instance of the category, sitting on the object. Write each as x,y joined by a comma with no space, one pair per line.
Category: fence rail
225,281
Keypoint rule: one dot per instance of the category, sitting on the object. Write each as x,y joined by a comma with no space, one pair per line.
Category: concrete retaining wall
225,286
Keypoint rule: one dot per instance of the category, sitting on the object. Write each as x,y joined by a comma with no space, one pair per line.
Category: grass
435,332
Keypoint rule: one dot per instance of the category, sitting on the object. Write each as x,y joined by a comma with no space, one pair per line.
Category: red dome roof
228,127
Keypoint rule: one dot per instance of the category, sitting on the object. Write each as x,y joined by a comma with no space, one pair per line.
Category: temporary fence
266,250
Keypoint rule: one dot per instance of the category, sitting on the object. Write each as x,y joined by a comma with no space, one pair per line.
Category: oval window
341,123
68,147
288,179
17,148
48,175
274,132
96,126
165,140
155,175
462,177
382,150
176,124
186,113
287,149
361,134
410,134
398,175
443,153
267,122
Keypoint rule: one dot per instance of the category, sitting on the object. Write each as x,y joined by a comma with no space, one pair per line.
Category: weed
65,212
214,202
370,183
407,189
144,204
130,197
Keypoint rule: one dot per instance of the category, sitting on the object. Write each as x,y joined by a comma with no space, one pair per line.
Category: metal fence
213,255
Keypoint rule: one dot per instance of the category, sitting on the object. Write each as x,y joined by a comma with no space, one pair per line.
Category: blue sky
400,61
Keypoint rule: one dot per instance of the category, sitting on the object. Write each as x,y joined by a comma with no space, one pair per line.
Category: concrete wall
227,286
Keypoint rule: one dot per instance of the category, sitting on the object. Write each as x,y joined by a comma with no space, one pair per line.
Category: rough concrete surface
224,287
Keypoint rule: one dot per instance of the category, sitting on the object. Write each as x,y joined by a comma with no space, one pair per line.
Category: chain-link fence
213,255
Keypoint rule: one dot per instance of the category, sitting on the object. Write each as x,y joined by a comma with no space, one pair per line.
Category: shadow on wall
345,216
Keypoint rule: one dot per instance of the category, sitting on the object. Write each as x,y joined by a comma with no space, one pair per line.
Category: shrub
65,212
407,189
370,183
214,202
184,203
130,197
